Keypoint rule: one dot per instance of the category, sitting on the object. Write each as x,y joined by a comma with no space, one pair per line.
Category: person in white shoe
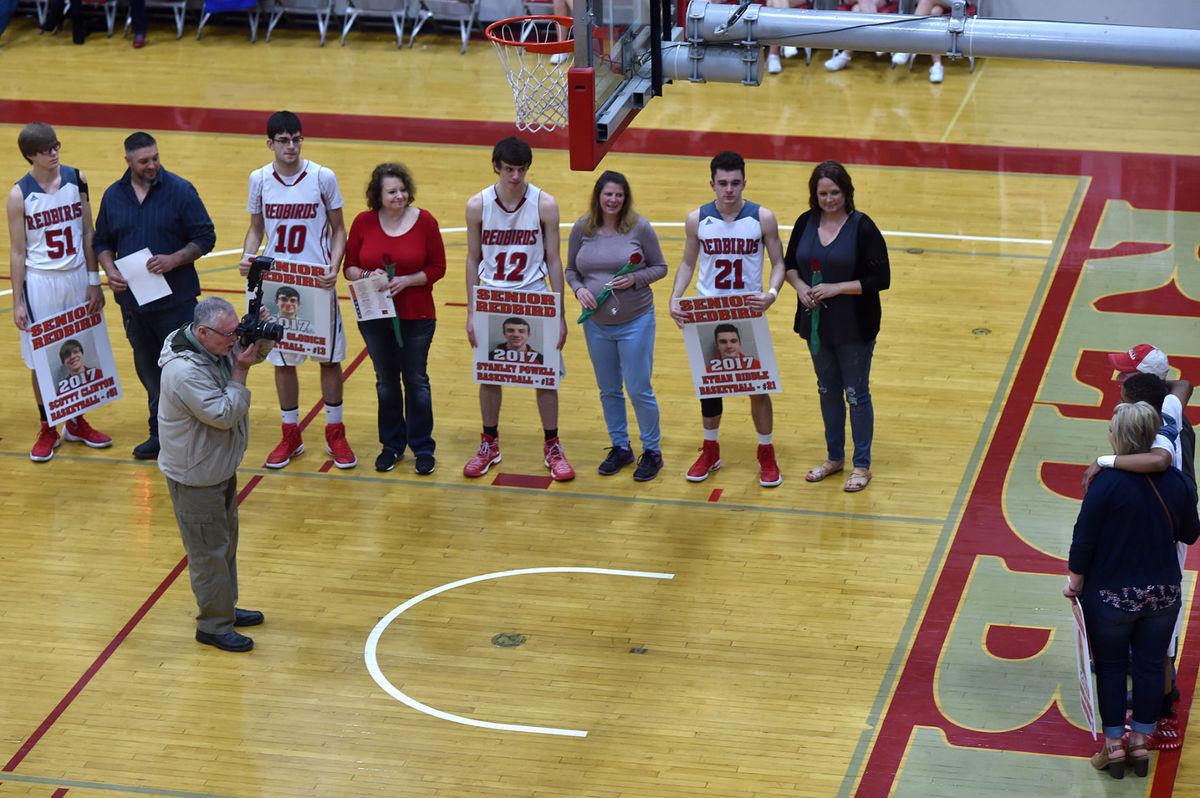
51,261
774,64
841,58
562,8
296,206
927,8
727,241
513,243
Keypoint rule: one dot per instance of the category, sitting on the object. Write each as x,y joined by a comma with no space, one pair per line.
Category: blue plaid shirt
171,217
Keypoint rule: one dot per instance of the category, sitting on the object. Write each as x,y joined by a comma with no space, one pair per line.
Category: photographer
203,415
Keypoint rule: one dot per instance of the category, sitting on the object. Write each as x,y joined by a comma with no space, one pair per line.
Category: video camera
250,329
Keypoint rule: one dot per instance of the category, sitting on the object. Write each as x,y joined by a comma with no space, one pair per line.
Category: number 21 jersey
731,253
514,251
295,211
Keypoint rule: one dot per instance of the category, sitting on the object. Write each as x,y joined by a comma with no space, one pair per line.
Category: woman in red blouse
404,242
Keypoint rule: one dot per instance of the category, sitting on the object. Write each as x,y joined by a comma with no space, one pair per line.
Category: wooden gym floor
711,639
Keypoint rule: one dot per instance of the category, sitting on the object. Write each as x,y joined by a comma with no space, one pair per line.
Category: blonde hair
1134,427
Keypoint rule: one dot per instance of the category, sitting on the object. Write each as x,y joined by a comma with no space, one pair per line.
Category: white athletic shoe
774,65
559,58
839,61
789,51
900,59
936,73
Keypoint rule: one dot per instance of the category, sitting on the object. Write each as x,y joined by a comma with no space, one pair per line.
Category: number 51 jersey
731,253
53,223
296,211
514,251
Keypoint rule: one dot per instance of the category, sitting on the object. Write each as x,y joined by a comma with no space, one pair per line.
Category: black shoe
425,464
230,641
387,459
649,464
247,618
147,449
618,458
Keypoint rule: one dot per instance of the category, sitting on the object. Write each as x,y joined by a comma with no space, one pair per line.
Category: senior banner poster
1083,666
73,359
729,346
516,337
294,299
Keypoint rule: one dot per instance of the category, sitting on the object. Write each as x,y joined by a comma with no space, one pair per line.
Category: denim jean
624,353
845,369
1113,634
402,382
146,333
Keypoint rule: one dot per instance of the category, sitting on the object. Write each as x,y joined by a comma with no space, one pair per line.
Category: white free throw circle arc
369,651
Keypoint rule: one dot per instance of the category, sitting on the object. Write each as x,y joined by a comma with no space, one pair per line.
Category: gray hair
209,310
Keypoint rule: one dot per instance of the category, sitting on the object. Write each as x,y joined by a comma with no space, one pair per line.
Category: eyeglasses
229,334
286,140
55,147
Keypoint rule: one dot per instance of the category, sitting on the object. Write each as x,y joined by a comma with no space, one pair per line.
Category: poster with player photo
73,360
516,338
729,346
294,299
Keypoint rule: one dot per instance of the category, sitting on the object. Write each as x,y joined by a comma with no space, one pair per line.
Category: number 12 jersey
513,248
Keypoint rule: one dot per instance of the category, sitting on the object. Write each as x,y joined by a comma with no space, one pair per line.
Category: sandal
1140,757
859,478
823,470
1107,759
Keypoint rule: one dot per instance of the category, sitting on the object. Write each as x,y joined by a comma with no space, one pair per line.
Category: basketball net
527,48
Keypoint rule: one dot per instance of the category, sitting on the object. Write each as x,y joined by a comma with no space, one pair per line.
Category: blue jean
146,333
1113,634
402,382
845,369
624,353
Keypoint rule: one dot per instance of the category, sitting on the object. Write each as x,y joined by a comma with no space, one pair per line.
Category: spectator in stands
841,58
927,8
774,65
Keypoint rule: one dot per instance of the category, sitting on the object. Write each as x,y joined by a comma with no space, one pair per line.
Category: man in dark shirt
154,209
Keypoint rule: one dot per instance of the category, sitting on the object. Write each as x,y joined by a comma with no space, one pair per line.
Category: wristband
93,278
773,291
1106,460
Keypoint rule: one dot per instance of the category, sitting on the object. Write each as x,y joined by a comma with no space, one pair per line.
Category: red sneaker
337,446
710,460
1165,736
291,445
77,429
556,460
47,441
487,456
768,469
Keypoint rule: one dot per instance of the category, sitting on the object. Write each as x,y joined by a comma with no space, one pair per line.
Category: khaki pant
208,524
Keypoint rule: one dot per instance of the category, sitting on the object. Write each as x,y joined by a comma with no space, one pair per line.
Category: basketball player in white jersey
52,263
512,242
727,238
297,206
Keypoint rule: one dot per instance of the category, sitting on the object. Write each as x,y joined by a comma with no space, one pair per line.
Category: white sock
764,440
333,413
290,416
711,434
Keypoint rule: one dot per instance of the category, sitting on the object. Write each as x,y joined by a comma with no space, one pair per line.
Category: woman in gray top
619,310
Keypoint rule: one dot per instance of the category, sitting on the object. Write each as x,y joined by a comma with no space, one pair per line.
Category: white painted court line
6,292
369,652
896,233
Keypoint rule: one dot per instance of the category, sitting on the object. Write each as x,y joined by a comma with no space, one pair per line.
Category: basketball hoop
528,48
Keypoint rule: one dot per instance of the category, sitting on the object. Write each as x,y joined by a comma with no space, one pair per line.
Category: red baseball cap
1144,358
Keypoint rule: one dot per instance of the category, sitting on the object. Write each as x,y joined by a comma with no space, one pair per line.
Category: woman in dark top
1124,567
404,242
838,263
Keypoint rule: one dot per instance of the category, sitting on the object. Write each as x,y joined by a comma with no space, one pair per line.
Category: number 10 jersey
512,244
296,211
